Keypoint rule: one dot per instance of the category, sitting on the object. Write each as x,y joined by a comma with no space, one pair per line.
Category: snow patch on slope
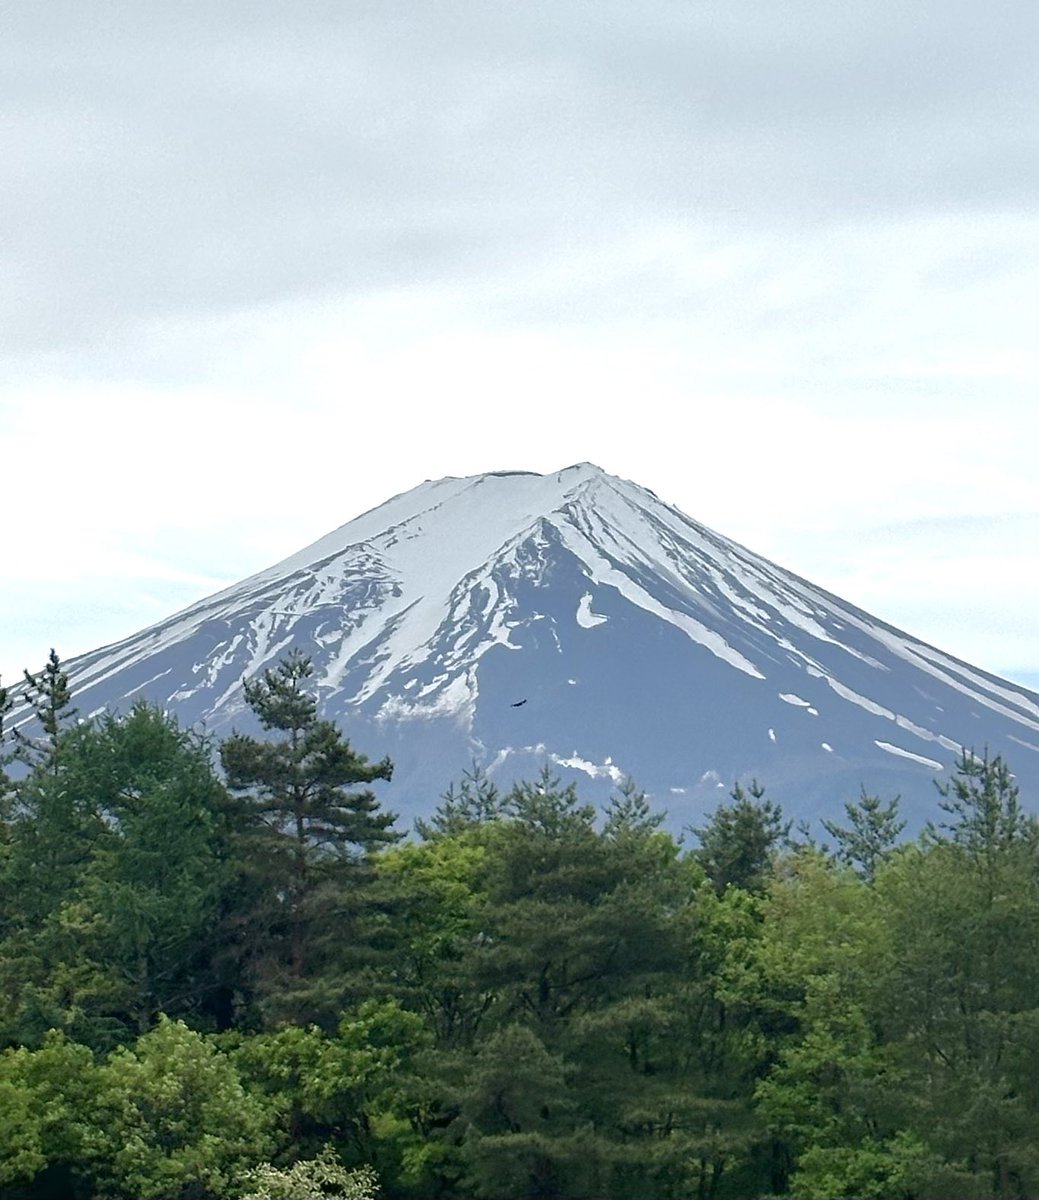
585,617
901,753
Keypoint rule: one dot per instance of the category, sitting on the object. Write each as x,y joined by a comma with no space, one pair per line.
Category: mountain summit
574,618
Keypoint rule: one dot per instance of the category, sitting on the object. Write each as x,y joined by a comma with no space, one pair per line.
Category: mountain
575,619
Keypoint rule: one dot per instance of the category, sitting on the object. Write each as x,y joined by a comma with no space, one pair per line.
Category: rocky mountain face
517,619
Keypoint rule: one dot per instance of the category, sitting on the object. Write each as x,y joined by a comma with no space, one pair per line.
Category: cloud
164,159
274,262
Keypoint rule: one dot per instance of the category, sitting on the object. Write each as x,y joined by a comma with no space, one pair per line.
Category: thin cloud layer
178,158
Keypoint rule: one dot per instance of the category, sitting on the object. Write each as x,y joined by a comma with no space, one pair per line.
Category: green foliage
546,808
6,758
533,1000
178,1121
629,816
475,800
309,841
50,697
47,1099
117,860
739,839
982,805
870,836
321,1176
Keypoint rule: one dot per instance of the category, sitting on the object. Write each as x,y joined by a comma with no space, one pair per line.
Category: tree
548,809
982,803
116,870
869,837
310,835
321,1178
518,1121
159,874
176,1119
737,843
629,815
50,697
6,704
959,1001
48,1119
474,801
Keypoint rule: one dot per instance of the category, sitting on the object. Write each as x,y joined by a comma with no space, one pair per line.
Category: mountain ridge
644,642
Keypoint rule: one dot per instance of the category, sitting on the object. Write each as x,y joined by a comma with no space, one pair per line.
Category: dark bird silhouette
518,703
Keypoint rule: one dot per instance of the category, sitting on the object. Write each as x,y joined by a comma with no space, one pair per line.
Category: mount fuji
516,619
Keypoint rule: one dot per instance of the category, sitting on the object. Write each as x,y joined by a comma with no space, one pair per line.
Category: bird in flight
518,703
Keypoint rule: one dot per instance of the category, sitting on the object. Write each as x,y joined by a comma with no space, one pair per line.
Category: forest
224,972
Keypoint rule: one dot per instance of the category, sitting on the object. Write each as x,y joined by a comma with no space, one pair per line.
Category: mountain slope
638,641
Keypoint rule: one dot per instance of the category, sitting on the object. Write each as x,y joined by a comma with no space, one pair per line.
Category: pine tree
737,843
50,697
870,836
475,800
6,704
629,814
311,836
548,809
983,806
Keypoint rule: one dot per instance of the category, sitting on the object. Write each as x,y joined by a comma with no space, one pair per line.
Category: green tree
833,1093
176,1120
982,806
6,758
49,695
158,878
596,955
48,1119
546,808
869,837
313,1178
476,799
739,839
960,998
311,834
520,1137
629,815
118,863
351,1090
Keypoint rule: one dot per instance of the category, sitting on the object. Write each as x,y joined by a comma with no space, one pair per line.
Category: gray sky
266,264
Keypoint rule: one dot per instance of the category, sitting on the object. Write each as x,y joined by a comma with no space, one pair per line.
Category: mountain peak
639,641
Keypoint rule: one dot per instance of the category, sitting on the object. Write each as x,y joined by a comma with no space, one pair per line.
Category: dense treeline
223,974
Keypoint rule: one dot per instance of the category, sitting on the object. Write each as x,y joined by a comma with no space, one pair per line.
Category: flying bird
518,703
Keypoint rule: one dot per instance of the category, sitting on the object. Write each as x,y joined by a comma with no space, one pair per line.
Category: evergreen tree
737,843
869,837
546,807
311,836
118,867
982,804
50,697
629,814
6,758
475,800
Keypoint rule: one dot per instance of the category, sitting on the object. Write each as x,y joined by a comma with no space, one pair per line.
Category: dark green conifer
869,837
6,704
737,843
310,833
629,814
50,697
475,800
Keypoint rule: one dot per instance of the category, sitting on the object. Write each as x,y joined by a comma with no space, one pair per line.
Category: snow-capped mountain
574,618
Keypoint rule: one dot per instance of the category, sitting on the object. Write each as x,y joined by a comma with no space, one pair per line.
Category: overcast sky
264,265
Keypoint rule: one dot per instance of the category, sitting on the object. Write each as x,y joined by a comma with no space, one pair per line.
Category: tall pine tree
309,838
